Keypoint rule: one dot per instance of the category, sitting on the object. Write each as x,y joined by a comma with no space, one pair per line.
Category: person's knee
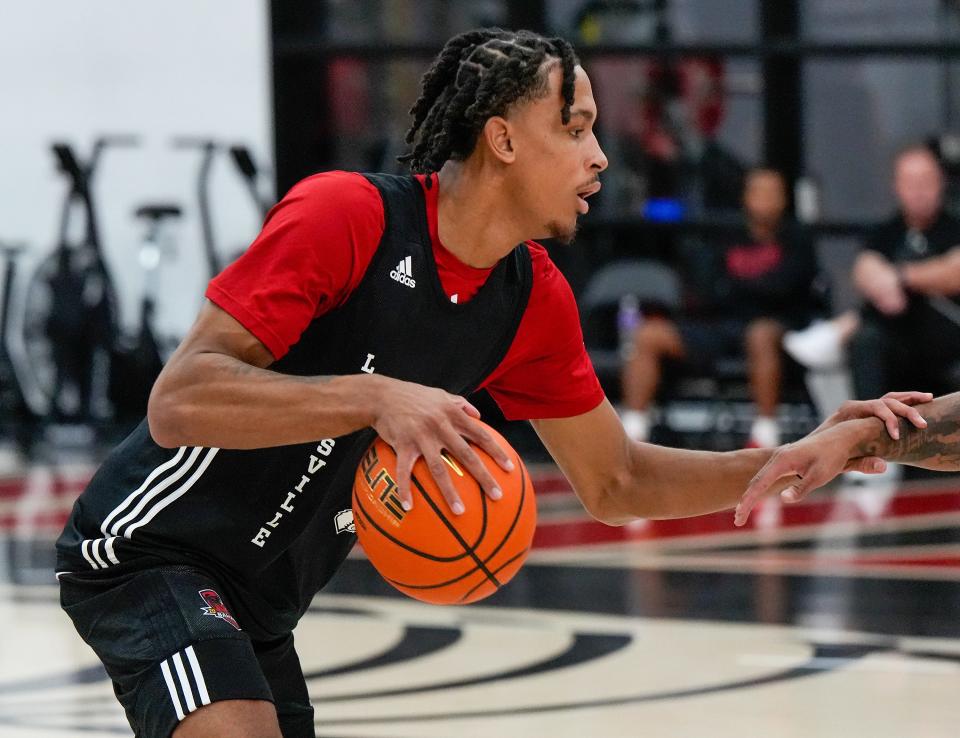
231,719
660,337
763,337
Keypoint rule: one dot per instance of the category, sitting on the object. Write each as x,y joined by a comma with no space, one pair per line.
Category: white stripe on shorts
85,550
146,498
105,526
184,682
108,545
172,496
96,555
198,675
168,678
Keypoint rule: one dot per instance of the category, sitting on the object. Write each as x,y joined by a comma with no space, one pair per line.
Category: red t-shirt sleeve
312,253
547,372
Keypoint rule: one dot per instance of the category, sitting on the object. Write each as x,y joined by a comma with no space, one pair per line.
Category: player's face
559,165
918,182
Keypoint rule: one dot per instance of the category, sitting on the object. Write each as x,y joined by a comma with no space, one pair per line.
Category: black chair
654,285
704,410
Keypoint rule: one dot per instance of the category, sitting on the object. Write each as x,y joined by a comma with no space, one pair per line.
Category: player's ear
497,136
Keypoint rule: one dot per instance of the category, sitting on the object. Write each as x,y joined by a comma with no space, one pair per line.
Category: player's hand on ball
799,468
420,421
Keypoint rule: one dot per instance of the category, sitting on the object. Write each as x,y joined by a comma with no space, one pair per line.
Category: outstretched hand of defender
798,468
889,408
419,421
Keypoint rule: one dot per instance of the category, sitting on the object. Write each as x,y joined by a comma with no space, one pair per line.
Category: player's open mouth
582,206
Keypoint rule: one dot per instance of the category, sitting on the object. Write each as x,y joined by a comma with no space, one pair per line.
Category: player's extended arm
878,281
939,275
800,467
217,391
619,480
937,446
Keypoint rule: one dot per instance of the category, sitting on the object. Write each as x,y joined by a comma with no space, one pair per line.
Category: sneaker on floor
817,347
765,433
637,424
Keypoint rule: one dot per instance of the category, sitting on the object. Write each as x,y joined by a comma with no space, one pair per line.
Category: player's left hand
889,408
799,468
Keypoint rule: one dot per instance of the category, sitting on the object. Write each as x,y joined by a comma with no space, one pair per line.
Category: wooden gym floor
838,617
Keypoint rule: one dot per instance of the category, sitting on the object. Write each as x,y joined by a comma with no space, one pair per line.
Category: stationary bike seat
156,212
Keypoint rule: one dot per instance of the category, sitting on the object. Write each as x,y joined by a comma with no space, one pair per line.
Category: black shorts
170,645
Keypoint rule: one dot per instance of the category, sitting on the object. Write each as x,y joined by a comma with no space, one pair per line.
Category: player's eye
576,132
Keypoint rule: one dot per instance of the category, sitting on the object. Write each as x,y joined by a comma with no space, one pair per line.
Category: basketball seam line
500,568
503,541
393,539
456,534
506,537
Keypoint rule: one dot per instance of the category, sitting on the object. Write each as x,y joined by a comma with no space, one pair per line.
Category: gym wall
74,70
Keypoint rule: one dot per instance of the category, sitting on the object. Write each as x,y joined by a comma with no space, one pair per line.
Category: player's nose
598,162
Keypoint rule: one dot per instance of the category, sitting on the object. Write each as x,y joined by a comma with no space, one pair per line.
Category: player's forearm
935,447
219,401
872,274
674,483
937,276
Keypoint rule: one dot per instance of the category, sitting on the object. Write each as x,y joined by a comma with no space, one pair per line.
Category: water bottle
628,320
807,199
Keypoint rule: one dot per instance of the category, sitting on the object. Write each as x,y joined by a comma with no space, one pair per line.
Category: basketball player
797,469
368,304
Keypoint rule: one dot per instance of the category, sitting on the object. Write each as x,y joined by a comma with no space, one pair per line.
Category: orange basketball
431,554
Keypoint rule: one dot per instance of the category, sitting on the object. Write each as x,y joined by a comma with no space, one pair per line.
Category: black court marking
342,610
456,534
416,643
503,541
87,675
859,543
836,655
586,647
877,605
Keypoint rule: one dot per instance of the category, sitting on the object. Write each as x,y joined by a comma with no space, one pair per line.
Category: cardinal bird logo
216,607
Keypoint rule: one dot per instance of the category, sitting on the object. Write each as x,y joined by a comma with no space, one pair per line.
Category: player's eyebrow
587,115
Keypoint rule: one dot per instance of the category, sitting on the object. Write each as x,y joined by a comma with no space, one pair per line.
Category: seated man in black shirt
758,285
909,275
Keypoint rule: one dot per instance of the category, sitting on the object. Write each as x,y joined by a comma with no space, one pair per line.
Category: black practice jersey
273,524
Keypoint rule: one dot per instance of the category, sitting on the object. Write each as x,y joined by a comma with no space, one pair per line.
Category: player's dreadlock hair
480,74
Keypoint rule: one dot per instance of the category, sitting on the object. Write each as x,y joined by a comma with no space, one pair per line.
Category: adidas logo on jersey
404,273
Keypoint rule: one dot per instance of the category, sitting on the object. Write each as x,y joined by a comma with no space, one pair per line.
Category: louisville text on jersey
315,464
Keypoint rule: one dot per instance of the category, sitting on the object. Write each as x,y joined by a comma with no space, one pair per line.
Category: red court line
825,563
33,521
550,484
952,562
12,489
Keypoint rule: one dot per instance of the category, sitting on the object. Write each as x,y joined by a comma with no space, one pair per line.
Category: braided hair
480,74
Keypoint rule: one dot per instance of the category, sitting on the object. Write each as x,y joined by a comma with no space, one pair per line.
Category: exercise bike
16,420
71,313
245,165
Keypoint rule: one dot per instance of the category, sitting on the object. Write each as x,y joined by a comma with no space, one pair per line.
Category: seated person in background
909,275
760,285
